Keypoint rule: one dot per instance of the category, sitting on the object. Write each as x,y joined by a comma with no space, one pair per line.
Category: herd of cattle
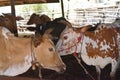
97,45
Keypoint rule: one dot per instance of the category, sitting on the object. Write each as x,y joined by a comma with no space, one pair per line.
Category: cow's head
8,21
71,38
36,19
46,54
44,18
57,27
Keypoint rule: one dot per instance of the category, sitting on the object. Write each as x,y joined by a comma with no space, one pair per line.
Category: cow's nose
62,68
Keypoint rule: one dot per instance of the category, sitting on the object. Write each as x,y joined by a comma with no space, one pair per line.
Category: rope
32,51
79,61
34,60
81,48
39,70
75,55
79,39
86,72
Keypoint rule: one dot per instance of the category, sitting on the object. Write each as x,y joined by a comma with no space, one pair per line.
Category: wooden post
62,7
13,13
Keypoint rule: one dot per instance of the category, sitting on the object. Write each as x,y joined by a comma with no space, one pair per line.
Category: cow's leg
114,66
98,72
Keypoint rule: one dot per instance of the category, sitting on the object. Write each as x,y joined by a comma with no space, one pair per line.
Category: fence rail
93,15
80,17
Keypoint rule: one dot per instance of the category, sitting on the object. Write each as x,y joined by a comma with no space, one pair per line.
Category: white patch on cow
104,47
114,41
88,40
4,32
18,68
97,60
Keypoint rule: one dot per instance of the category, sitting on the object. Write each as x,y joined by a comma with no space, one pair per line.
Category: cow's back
103,41
102,44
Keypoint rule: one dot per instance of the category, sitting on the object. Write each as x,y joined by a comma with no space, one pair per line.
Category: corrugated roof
17,2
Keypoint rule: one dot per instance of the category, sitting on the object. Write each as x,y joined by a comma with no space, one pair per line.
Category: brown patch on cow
108,37
36,40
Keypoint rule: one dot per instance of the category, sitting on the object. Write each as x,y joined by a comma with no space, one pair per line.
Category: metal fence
81,17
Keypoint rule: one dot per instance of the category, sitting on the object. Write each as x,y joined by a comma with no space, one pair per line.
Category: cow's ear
67,23
31,28
46,36
37,41
83,29
86,28
48,31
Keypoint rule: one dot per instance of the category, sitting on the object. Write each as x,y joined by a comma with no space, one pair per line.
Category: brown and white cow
98,48
16,54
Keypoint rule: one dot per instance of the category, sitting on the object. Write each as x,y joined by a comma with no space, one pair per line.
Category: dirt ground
73,72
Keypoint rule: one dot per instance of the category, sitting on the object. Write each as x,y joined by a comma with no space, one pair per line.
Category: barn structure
78,17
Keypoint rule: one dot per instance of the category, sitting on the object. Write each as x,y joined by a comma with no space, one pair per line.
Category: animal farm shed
78,17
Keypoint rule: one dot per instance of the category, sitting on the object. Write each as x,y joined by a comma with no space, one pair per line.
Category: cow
8,20
17,55
56,26
38,19
97,46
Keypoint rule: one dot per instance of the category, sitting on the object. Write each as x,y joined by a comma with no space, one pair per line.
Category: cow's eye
50,49
65,37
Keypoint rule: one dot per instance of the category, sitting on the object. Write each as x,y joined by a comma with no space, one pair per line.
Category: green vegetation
33,8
